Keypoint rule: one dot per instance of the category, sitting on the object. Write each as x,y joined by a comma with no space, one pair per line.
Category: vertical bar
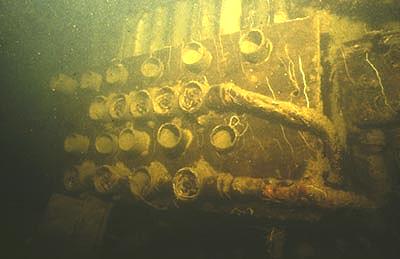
208,18
231,11
159,28
195,24
255,13
142,34
180,22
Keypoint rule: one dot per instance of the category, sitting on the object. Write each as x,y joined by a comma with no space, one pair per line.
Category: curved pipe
232,96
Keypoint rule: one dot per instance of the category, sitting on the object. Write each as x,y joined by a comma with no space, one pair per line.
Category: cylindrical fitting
91,81
79,177
119,107
76,144
223,138
106,144
147,180
191,97
135,141
117,74
190,182
164,101
196,57
173,139
254,47
187,184
152,68
108,179
141,104
247,186
139,183
98,109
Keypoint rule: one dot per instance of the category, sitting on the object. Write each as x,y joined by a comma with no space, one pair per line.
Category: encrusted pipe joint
189,183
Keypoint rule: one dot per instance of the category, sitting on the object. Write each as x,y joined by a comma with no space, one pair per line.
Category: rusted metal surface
260,88
368,70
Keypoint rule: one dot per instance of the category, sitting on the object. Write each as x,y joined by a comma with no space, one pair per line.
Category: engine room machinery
236,107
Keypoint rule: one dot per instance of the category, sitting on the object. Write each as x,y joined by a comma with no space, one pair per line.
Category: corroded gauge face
186,184
254,46
169,136
152,68
141,104
164,100
191,97
119,106
196,57
223,138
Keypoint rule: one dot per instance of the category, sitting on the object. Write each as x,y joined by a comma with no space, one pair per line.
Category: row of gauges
171,137
187,183
254,48
143,103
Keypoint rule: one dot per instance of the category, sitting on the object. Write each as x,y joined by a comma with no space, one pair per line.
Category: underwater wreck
224,106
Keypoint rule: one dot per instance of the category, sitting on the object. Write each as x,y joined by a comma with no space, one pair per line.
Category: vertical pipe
142,34
231,11
159,28
195,23
255,13
247,13
262,8
208,19
180,22
280,11
127,49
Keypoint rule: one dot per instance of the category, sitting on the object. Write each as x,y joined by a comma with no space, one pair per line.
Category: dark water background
39,38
